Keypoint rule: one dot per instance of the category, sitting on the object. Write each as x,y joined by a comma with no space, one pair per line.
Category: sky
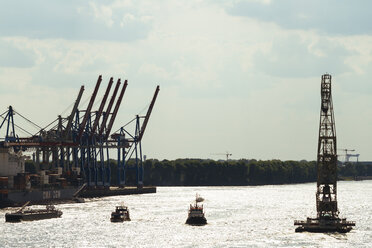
237,76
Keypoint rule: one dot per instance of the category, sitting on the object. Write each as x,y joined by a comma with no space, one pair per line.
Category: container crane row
81,141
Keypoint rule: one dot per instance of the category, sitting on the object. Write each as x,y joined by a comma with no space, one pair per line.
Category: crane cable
26,119
146,107
25,131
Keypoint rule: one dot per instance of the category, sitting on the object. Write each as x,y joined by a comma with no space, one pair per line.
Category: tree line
204,172
198,172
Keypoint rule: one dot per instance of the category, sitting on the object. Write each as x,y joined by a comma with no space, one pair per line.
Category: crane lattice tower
326,195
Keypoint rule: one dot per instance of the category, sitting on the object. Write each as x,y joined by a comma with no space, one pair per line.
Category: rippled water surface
259,216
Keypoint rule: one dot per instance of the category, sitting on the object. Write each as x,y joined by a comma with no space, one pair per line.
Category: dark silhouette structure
79,144
327,219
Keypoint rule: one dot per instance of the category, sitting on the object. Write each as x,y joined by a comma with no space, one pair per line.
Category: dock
112,191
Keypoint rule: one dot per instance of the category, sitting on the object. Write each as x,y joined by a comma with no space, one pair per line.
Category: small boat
196,213
120,214
24,214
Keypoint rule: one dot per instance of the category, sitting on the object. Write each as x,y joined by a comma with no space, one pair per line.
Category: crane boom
109,107
90,105
74,109
116,109
99,113
143,128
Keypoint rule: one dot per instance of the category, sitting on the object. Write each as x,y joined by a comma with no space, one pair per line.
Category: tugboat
120,214
196,214
33,214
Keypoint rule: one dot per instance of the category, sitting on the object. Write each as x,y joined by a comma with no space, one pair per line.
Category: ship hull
324,225
119,219
17,217
36,196
196,221
322,229
112,191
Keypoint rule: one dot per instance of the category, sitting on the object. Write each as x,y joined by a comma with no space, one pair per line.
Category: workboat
24,214
196,213
120,214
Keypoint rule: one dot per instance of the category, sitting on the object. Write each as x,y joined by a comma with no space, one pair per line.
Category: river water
251,216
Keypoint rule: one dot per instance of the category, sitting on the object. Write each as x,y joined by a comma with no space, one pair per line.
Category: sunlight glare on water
251,216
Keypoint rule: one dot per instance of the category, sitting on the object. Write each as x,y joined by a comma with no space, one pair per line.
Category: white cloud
102,13
227,82
127,18
361,49
332,17
157,72
13,80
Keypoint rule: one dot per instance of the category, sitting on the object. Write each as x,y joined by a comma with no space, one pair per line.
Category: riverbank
356,178
112,191
199,172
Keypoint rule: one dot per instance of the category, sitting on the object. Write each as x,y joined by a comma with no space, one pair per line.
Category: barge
33,214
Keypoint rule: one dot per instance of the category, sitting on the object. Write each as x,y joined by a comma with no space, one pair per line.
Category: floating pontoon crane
327,219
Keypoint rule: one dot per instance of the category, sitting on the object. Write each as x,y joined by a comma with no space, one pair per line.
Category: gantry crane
133,145
348,155
82,140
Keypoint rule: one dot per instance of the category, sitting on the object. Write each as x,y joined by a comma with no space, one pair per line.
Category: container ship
18,187
49,186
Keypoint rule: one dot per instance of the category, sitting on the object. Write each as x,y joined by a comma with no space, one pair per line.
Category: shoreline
268,184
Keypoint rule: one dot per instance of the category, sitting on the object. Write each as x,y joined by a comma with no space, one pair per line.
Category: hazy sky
237,75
